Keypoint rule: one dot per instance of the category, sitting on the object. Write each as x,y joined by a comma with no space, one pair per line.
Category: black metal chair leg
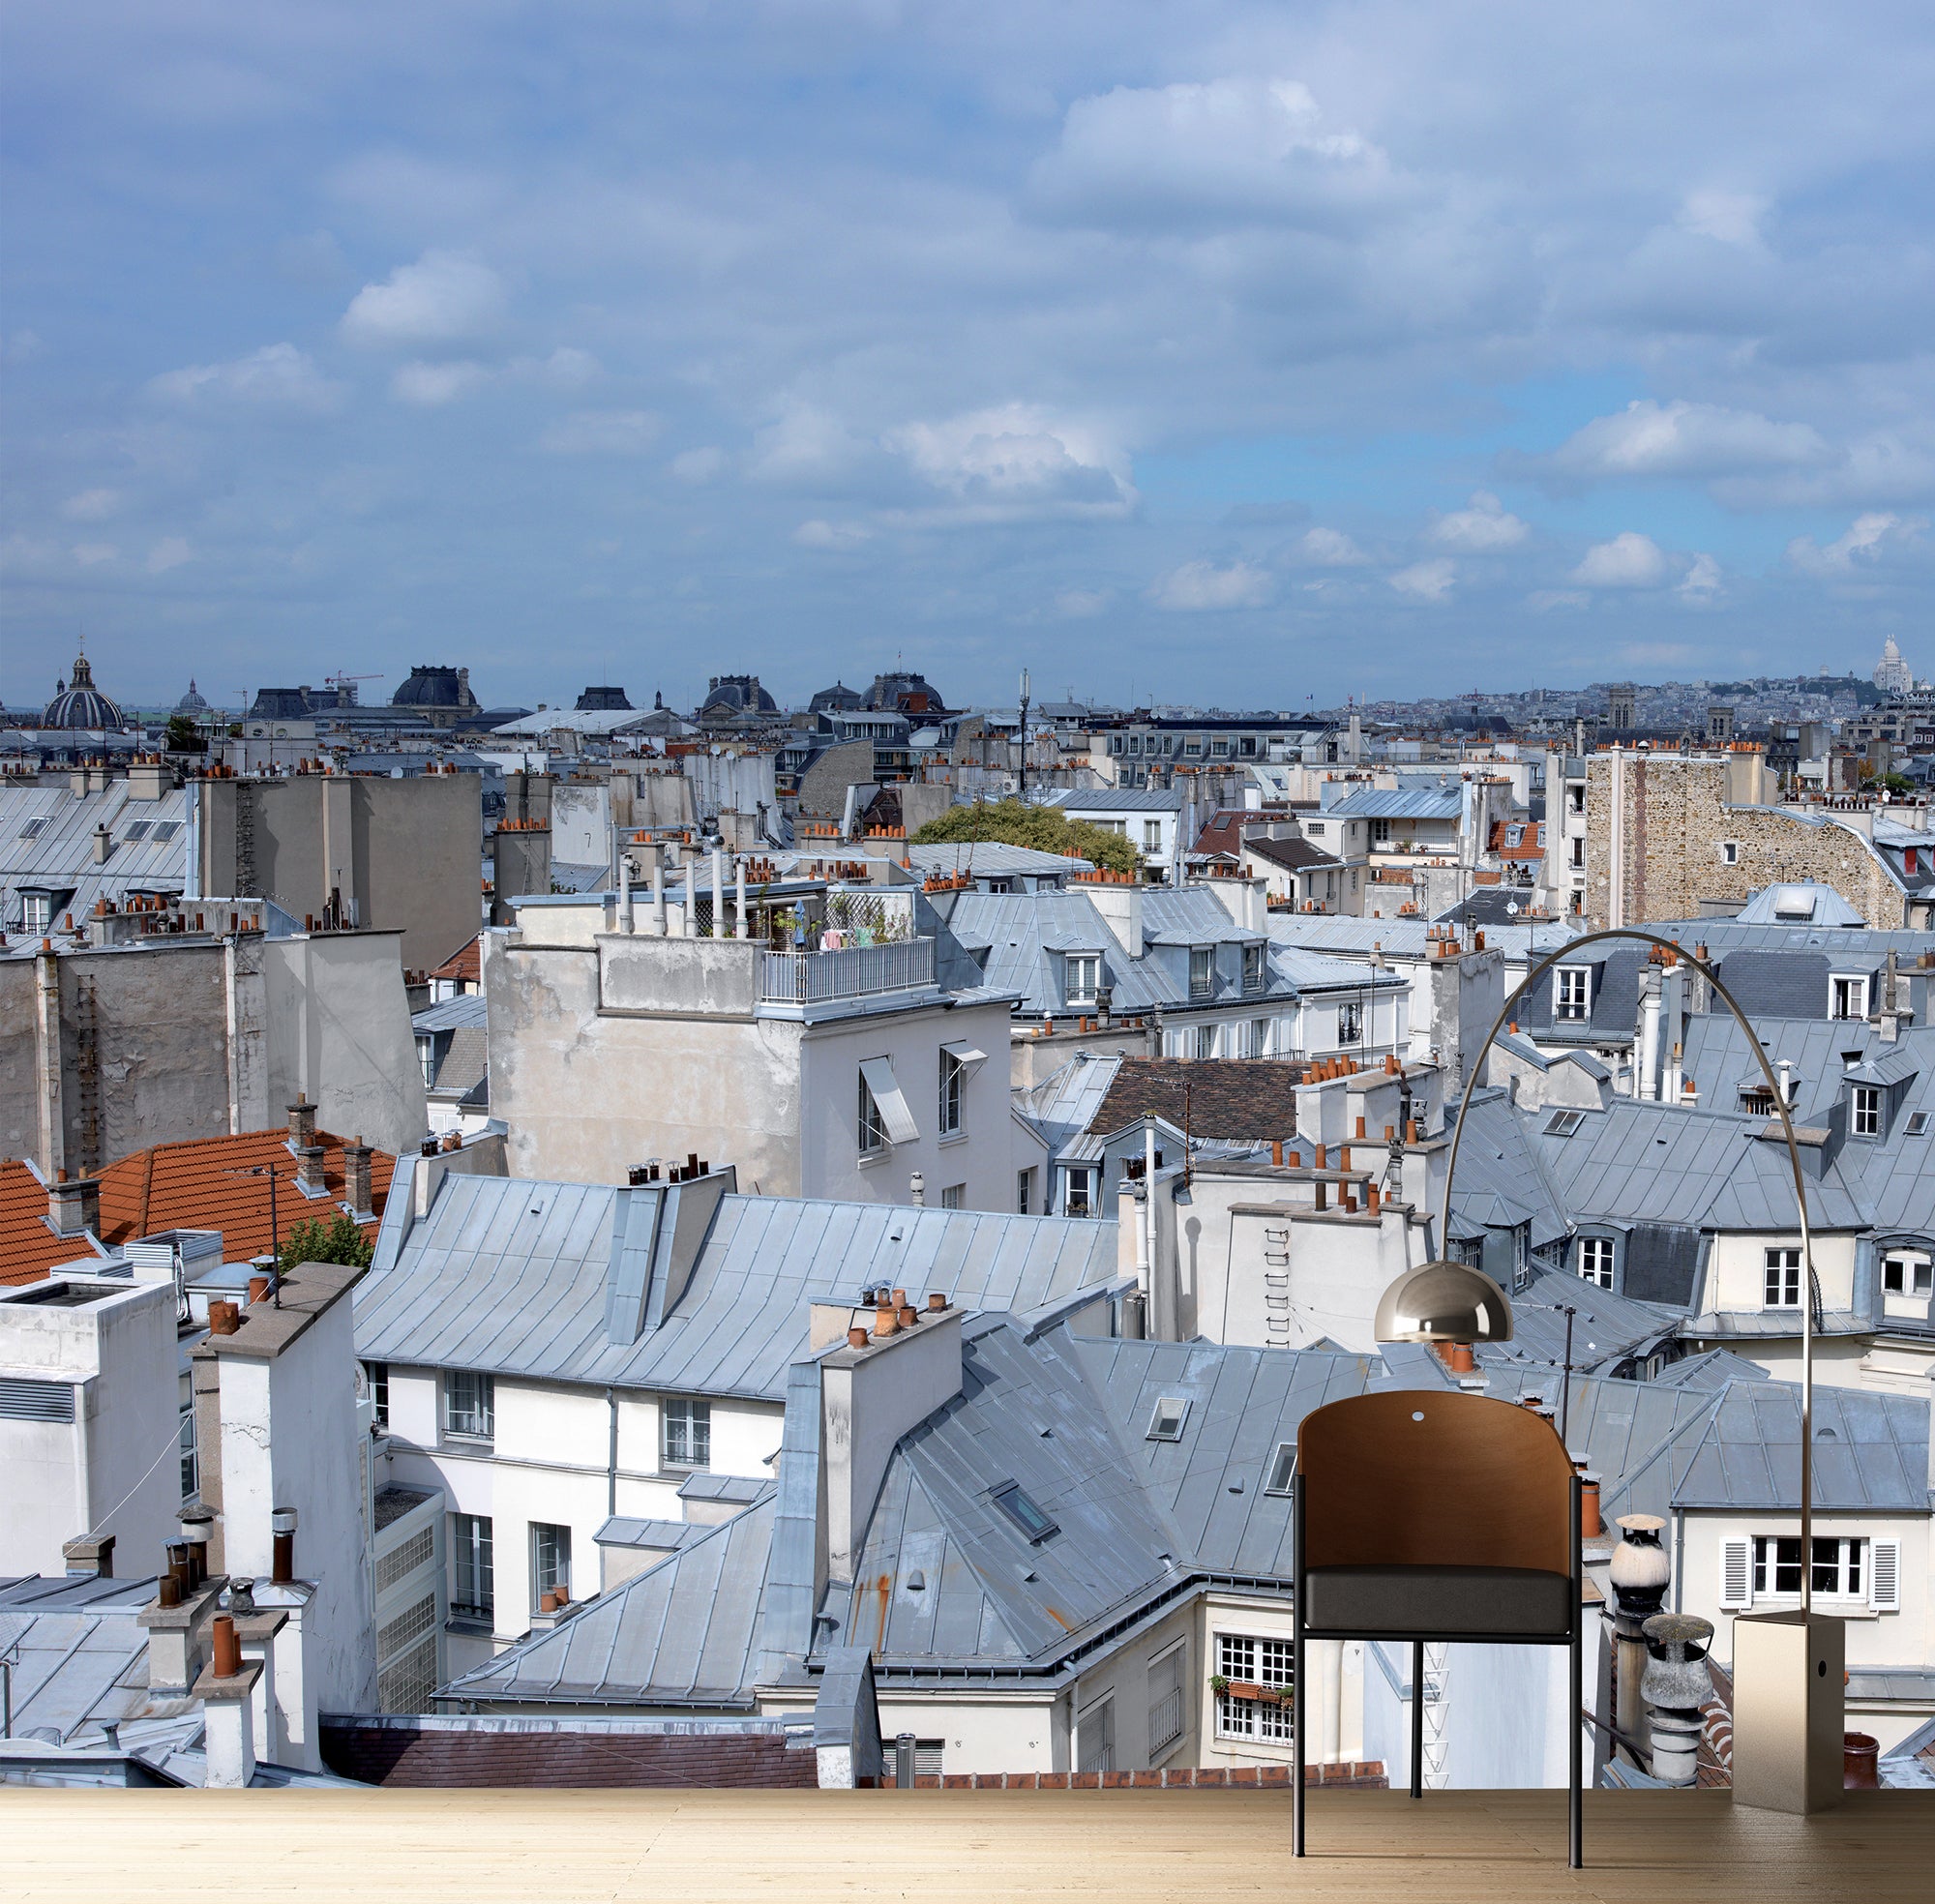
1575,1802
1297,1734
1417,1718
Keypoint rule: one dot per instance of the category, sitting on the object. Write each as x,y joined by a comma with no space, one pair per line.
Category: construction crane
345,686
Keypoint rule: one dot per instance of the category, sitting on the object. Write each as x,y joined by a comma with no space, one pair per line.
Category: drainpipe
718,894
1145,1233
739,897
624,893
658,890
611,1468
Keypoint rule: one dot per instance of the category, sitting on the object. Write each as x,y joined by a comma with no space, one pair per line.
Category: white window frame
1730,852
1847,996
1572,994
1078,1178
550,1559
1852,1568
1864,1111
1256,1659
685,1434
1024,1193
1202,973
1255,970
1597,1258
953,1195
1081,977
1350,1022
1781,1277
470,1411
1912,1271
472,1568
1578,852
1205,1041
1151,836
953,1091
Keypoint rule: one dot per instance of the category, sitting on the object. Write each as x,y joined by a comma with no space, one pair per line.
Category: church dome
436,687
191,702
80,703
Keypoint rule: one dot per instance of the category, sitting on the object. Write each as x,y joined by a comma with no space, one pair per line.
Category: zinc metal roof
61,855
1411,938
1870,1451
993,858
512,1277
79,1657
448,1014
681,1632
1399,803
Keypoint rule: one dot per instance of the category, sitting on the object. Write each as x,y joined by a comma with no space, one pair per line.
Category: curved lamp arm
1532,974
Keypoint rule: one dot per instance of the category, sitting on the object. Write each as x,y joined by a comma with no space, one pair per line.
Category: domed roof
839,699
81,704
191,702
738,694
604,700
436,687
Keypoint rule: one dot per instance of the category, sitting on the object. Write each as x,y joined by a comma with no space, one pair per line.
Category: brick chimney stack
73,1204
310,1179
356,1188
301,1121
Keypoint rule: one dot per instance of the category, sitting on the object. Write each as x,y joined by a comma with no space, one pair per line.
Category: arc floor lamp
1788,1666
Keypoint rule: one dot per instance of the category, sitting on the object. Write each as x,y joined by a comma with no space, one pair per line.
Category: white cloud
568,368
428,386
1484,525
602,432
1649,439
443,298
91,505
1732,217
1332,549
700,466
277,377
89,554
170,552
1240,147
1542,601
1016,461
1863,543
1426,582
1199,586
1080,604
819,534
1628,562
1702,581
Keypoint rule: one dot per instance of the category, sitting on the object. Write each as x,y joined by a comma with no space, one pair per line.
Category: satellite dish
1511,908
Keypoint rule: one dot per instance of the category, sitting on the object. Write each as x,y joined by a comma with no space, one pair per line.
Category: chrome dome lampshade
1443,1302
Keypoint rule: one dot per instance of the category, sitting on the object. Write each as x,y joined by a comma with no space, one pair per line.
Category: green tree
1021,824
184,736
336,1240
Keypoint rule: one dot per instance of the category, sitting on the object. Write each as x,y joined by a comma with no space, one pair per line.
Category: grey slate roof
1399,803
1410,938
513,1277
994,859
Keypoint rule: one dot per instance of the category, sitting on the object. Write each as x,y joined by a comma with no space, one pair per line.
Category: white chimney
1121,911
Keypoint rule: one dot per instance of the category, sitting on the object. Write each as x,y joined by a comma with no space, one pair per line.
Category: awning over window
895,1116
964,1054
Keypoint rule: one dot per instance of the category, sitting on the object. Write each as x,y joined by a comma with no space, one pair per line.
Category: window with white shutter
1736,1575
1884,1576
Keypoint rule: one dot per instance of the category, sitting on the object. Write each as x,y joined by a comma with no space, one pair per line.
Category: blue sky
1223,353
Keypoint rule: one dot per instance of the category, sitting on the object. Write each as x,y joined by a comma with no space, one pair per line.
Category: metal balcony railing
858,971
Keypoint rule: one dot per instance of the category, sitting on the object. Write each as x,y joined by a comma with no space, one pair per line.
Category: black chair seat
1433,1601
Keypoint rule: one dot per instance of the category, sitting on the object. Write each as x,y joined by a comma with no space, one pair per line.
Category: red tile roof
465,965
180,1187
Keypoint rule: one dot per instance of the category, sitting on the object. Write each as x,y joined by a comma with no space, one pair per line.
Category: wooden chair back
1428,1478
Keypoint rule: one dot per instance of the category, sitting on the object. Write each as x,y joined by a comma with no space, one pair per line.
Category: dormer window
1202,972
1082,975
1572,993
1865,1110
1847,996
1255,968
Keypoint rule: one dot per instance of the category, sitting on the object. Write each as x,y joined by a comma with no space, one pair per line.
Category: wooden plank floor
473,1846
